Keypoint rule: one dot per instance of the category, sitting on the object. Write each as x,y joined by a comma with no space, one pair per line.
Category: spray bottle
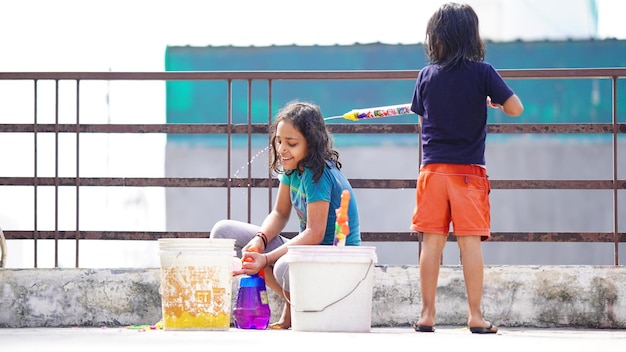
252,310
341,223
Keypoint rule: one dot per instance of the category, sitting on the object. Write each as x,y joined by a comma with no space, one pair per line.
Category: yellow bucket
196,283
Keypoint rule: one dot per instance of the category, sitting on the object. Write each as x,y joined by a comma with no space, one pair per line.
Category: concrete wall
514,296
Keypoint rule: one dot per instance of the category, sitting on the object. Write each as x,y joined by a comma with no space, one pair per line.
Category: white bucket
196,283
331,287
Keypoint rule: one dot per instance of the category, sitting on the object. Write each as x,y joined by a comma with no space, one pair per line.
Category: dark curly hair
307,118
452,36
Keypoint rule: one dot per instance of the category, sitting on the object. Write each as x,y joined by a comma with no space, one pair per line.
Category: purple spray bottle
252,310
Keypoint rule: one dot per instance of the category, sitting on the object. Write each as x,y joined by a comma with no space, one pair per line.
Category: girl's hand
252,262
253,246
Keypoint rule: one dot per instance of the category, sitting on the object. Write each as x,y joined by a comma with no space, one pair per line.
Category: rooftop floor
446,338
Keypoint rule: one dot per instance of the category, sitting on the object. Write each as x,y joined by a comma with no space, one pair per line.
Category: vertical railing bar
229,117
77,171
615,202
35,178
249,163
269,155
56,174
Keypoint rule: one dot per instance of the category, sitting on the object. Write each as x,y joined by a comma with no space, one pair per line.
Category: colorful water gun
341,223
381,111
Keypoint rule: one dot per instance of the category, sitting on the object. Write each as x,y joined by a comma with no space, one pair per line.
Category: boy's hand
493,105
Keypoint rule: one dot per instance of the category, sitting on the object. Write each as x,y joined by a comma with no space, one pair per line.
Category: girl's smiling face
290,145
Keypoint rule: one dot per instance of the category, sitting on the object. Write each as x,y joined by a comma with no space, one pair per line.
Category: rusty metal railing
614,128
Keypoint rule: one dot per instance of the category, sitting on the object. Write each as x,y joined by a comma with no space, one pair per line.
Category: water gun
381,111
341,223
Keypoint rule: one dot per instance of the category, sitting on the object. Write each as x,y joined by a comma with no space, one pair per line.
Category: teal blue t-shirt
331,184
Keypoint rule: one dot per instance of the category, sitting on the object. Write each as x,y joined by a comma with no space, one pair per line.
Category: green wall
545,101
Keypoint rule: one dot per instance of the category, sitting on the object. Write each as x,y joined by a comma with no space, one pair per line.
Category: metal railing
614,128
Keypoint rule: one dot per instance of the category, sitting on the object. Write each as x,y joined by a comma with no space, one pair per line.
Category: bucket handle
331,303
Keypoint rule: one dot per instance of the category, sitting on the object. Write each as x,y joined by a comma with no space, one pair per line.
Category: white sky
131,35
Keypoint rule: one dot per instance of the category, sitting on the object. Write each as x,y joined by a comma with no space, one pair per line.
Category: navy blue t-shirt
452,103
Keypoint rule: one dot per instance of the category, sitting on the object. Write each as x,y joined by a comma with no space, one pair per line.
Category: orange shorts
452,193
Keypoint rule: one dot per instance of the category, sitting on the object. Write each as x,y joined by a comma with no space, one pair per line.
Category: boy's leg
430,261
472,261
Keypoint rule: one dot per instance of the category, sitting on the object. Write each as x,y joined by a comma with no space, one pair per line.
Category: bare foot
484,328
284,322
424,325
279,326
426,322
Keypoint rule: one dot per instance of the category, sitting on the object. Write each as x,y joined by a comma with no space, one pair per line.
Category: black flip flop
483,330
423,328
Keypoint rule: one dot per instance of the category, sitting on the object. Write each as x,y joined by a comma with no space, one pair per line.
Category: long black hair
307,118
452,36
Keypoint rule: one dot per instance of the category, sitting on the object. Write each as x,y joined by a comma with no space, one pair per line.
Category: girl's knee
281,273
221,229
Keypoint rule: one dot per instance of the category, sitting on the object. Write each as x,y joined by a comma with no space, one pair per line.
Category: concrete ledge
514,296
